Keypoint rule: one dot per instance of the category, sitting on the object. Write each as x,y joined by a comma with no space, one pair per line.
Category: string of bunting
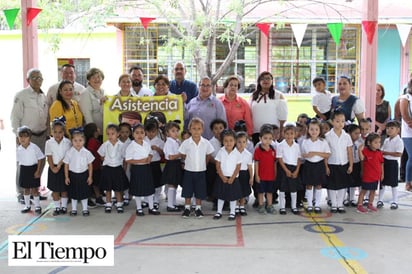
11,15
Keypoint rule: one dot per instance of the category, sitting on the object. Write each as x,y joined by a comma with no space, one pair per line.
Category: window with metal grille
294,68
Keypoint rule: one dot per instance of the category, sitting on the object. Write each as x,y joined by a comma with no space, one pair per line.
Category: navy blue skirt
78,188
244,183
288,184
141,181
113,178
172,173
338,178
390,171
26,178
314,174
55,181
356,175
156,174
227,192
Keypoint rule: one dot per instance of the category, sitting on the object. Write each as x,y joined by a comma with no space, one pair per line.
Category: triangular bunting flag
146,21
403,30
370,28
31,14
335,30
11,15
264,27
299,32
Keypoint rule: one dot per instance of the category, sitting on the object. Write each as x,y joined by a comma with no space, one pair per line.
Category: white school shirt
125,145
319,145
136,151
156,141
322,101
113,154
393,145
78,160
355,150
228,161
171,147
246,159
289,154
57,150
29,156
216,145
338,147
195,160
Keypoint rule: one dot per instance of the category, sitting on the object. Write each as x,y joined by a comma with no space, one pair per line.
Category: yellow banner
133,110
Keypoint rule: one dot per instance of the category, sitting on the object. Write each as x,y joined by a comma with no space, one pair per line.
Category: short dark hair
93,71
336,113
265,129
68,66
351,128
318,79
393,123
135,68
217,121
113,126
162,77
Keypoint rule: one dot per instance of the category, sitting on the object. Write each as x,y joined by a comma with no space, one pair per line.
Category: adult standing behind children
236,107
93,98
406,132
137,76
383,111
67,73
346,102
268,105
30,109
180,85
205,106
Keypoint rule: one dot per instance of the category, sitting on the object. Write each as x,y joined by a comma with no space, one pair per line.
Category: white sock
198,207
352,193
282,199
381,193
27,200
232,207
174,196
119,204
333,197
64,201
84,204
138,202
329,194
36,200
193,201
56,204
156,197
340,197
109,204
309,196
126,194
74,204
395,194
150,201
293,200
220,204
318,196
171,196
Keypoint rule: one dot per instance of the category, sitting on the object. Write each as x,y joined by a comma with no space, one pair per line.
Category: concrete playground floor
306,243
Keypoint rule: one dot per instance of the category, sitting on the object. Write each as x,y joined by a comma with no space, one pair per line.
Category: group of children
310,157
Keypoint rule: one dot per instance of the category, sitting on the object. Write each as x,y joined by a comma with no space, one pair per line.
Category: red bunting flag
370,28
31,14
146,21
264,27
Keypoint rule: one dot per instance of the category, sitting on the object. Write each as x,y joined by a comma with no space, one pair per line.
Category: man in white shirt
68,73
137,75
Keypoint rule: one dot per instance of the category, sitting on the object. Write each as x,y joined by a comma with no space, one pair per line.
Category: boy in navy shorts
265,169
196,151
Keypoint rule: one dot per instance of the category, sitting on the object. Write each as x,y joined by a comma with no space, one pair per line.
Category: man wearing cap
180,85
30,109
68,73
137,75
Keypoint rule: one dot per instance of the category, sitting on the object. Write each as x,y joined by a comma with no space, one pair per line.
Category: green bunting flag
335,30
11,15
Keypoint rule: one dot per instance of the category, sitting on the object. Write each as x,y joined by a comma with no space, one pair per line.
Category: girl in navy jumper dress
139,155
78,171
56,148
228,162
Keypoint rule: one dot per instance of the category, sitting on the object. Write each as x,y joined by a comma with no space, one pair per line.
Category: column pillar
29,39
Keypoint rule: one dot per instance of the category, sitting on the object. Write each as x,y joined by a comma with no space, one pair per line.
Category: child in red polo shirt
265,169
372,159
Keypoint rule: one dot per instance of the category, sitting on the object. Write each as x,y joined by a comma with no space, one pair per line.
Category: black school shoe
25,209
56,211
173,209
37,210
154,211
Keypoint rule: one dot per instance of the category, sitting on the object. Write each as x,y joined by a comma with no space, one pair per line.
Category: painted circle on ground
316,216
34,228
348,253
323,228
